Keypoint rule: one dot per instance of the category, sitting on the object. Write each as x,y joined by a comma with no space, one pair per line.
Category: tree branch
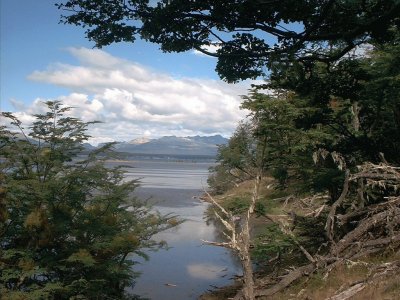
330,222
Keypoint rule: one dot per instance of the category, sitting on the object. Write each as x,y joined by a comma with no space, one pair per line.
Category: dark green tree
355,102
290,147
252,35
348,114
273,118
235,160
69,226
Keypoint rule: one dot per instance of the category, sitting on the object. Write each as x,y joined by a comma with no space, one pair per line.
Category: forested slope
330,136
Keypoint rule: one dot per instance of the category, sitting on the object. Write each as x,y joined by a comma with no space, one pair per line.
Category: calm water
188,268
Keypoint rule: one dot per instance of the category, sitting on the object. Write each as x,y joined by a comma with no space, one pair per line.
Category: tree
345,106
251,35
354,102
274,115
235,161
238,235
268,142
286,119
69,226
344,117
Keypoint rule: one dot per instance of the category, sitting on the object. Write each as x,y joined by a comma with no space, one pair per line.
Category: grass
318,286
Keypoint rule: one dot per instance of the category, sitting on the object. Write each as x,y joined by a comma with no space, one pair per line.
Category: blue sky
135,89
32,38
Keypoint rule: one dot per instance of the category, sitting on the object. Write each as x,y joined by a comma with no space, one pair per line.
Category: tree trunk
355,109
248,288
241,241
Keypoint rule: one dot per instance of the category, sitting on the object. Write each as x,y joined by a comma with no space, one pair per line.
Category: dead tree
239,237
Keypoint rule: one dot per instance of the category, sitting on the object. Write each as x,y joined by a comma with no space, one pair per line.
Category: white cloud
210,48
133,100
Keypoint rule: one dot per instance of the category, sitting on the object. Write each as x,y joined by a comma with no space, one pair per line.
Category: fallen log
287,280
364,227
375,208
350,292
382,241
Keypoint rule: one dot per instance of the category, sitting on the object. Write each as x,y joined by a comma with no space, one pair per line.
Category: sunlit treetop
249,36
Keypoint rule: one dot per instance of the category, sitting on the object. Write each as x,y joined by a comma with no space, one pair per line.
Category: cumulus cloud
133,100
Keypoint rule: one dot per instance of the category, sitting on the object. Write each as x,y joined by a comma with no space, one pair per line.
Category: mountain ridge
172,145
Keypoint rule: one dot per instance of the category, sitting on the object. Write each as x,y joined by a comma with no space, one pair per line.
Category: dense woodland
324,129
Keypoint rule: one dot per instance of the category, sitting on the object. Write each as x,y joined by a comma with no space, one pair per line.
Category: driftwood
375,228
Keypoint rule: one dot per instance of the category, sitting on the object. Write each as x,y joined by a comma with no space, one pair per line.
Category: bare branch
226,213
330,222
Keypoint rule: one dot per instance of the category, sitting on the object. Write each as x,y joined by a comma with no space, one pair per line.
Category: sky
134,89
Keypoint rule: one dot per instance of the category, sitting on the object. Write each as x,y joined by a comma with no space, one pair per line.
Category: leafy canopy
251,35
351,108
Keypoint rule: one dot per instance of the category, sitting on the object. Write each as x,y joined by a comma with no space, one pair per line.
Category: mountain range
172,145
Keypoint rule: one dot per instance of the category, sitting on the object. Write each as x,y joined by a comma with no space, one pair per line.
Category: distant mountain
214,139
88,147
164,146
172,145
141,140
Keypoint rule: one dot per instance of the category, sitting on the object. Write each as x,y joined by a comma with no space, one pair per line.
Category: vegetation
236,160
69,226
332,137
328,130
251,35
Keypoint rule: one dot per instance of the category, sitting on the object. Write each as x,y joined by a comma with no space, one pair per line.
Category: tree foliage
331,124
69,226
235,160
251,35
333,137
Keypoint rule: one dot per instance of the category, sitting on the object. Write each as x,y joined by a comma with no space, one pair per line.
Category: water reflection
206,271
188,268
